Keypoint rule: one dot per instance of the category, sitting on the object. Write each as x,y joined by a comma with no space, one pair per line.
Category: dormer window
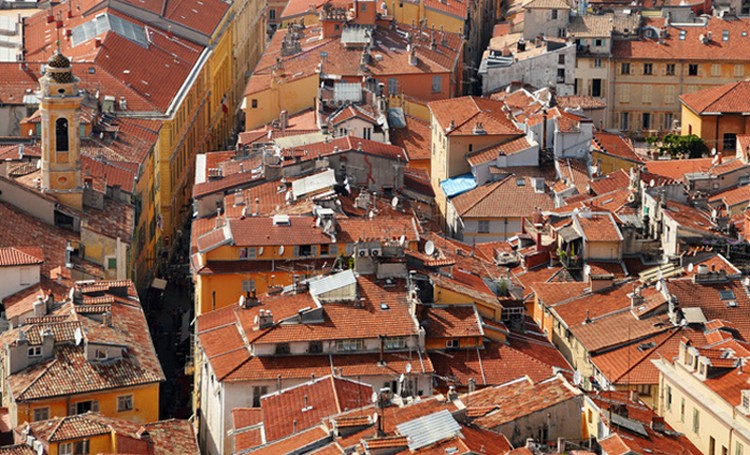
100,354
35,351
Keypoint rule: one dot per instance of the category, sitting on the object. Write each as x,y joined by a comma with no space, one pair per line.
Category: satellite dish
577,378
408,368
402,240
394,202
713,151
690,267
260,251
78,336
281,250
374,397
658,286
651,183
401,378
429,248
375,417
371,214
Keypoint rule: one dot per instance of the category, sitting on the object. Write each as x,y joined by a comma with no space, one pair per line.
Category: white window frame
34,351
125,403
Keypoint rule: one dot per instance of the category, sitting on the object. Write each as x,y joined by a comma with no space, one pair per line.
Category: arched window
61,135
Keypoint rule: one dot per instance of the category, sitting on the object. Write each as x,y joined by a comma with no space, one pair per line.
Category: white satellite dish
375,417
651,183
429,248
260,251
78,336
408,368
401,378
281,250
713,151
371,214
690,267
577,378
374,397
658,286
394,202
402,240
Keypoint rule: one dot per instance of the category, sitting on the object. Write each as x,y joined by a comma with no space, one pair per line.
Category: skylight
727,294
103,23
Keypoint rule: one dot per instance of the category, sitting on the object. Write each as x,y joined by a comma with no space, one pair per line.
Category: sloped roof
467,111
510,197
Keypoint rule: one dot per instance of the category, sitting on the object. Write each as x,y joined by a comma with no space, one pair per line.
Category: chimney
107,319
635,298
600,282
97,42
40,307
657,423
413,59
284,120
264,320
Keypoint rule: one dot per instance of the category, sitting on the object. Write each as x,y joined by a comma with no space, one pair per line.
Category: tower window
61,135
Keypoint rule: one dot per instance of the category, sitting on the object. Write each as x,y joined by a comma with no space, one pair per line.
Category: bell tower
60,106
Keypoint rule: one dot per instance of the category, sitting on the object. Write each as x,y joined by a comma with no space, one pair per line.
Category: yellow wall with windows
433,344
97,444
609,163
444,296
145,404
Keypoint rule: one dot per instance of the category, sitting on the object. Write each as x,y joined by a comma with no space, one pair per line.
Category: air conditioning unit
362,253
376,252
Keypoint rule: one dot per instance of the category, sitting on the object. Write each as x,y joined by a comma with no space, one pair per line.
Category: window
669,94
596,87
598,42
624,120
646,121
437,84
333,250
555,14
111,263
282,348
35,351
739,70
668,398
349,345
646,94
561,75
730,141
452,344
83,407
248,285
367,133
254,103
625,68
61,135
392,85
648,68
125,403
74,448
597,63
668,119
696,420
248,253
483,226
41,414
625,93
100,354
258,391
561,59
715,70
362,6
394,343
738,449
670,69
644,389
315,347
271,14
692,70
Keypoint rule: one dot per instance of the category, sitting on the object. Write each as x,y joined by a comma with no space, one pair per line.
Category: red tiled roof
467,111
15,256
724,99
733,196
304,406
293,442
504,198
615,144
676,169
599,227
491,153
689,48
613,181
451,321
415,138
203,16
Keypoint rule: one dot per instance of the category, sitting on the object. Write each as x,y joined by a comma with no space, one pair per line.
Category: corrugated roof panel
429,429
313,183
332,282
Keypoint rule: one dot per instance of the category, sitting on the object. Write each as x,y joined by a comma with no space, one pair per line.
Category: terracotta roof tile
467,111
505,198
304,406
613,181
616,145
725,99
290,444
491,153
451,321
415,138
732,197
15,256
598,227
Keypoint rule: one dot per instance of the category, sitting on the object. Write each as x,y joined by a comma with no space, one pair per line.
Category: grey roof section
356,35
569,233
106,22
299,140
694,315
332,282
429,429
313,183
629,424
